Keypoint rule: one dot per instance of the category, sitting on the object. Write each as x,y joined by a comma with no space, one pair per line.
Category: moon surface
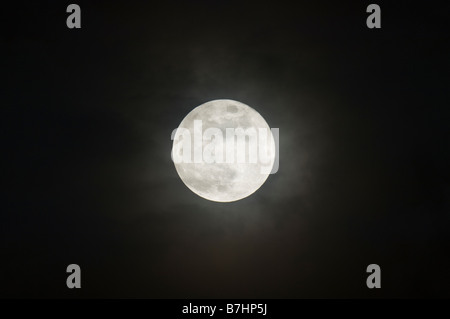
225,181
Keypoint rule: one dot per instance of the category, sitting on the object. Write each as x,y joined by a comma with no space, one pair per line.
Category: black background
86,118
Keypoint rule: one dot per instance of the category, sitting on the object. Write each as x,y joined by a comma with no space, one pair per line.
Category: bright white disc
225,181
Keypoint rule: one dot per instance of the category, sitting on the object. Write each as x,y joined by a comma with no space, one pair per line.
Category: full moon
213,163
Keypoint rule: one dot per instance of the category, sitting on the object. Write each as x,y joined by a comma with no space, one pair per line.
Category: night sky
86,119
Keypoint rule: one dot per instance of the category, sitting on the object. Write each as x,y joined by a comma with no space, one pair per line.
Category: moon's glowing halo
223,181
